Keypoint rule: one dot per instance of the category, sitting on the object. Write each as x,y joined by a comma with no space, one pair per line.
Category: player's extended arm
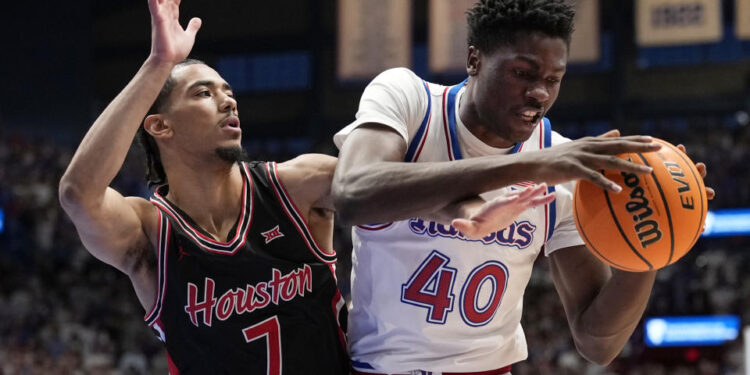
603,305
307,179
108,223
372,183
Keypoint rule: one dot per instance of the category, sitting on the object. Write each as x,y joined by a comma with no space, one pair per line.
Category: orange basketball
653,221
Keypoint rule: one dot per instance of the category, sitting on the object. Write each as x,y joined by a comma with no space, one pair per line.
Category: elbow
69,194
347,199
343,202
596,351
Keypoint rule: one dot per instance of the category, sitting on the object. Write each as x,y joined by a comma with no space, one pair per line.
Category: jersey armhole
295,216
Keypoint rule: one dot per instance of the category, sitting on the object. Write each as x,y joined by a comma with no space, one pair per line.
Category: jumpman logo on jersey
183,253
272,234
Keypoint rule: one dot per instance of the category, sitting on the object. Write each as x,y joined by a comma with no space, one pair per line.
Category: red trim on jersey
374,228
164,246
426,129
158,268
173,370
546,206
336,311
297,212
241,220
445,123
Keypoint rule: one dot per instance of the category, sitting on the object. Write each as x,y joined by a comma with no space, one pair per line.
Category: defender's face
516,85
202,110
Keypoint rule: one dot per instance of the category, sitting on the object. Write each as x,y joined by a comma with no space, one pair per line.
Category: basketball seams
622,233
589,244
701,189
666,209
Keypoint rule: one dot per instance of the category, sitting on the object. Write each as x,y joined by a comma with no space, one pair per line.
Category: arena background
675,69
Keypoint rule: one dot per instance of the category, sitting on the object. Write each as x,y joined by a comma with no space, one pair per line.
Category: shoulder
309,172
308,177
308,164
398,75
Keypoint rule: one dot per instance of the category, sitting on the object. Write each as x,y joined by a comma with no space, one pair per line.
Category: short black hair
155,174
495,23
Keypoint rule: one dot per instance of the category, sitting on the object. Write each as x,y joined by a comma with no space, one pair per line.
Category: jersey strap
449,120
415,147
165,232
295,216
550,209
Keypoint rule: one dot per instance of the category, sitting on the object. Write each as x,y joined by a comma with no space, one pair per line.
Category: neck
467,110
210,192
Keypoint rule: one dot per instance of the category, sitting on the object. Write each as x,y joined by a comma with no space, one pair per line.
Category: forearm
390,191
607,324
104,147
460,209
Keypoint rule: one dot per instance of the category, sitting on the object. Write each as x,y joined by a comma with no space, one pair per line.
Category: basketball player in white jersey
427,296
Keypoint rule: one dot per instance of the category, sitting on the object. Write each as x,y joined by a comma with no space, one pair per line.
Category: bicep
113,228
579,277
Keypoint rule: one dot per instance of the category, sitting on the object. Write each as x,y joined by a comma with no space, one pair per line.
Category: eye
204,93
553,80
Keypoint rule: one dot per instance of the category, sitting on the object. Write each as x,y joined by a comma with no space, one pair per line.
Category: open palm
501,211
169,41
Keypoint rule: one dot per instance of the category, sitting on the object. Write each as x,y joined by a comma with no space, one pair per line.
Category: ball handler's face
517,84
202,111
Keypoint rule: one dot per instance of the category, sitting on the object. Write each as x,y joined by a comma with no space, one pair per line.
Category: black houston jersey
264,302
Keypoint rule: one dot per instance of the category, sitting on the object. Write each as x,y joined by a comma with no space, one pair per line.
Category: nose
538,92
229,104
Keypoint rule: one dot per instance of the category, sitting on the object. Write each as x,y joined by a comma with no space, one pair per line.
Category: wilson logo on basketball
653,221
638,205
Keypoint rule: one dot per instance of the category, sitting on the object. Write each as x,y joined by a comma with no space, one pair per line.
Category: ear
473,61
157,127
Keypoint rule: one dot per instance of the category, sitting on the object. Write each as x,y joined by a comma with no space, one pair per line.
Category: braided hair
494,23
155,174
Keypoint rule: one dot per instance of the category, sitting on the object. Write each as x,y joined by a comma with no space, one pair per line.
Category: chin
231,154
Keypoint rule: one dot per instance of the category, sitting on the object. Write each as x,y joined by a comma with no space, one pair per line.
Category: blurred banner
691,330
373,36
742,20
673,22
449,32
585,46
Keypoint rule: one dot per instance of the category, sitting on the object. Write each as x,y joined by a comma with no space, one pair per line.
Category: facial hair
231,155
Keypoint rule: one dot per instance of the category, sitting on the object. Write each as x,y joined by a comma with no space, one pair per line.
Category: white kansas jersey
423,296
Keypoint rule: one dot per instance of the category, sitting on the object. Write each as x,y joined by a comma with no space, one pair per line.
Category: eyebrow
209,83
534,64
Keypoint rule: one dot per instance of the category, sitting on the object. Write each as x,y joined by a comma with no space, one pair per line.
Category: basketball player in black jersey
232,261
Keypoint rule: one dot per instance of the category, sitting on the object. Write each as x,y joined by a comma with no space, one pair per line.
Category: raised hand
501,211
586,157
170,43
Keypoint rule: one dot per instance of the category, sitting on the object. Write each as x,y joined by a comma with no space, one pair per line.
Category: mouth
231,122
530,115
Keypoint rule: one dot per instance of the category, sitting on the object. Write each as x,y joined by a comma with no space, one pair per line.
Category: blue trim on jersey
516,147
420,132
551,188
365,365
451,115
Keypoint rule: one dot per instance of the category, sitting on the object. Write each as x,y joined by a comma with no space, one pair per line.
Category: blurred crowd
65,312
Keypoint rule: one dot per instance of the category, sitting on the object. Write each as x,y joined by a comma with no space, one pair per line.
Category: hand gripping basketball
585,157
654,221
